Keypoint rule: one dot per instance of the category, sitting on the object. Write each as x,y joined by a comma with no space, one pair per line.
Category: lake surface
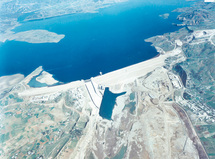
105,41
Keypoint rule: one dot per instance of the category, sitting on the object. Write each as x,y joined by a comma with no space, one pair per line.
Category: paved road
191,131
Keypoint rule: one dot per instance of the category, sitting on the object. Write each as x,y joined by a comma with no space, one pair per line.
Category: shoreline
120,76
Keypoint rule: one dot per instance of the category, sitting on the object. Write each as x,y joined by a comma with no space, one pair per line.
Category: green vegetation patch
121,153
211,104
70,101
15,97
20,138
55,129
131,106
36,115
25,120
4,137
18,115
7,114
47,136
51,116
11,96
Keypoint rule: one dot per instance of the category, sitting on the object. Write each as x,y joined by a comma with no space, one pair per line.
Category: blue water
108,102
34,83
93,43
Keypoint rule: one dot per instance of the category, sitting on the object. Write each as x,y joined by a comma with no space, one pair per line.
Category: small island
164,16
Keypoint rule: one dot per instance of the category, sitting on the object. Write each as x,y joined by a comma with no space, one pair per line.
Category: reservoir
103,42
108,102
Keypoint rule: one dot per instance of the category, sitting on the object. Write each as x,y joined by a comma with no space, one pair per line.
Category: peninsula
33,36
